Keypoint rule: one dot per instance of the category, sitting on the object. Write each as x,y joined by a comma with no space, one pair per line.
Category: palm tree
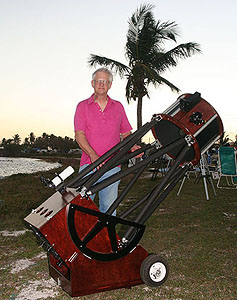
32,138
147,58
16,139
44,135
4,141
26,141
224,139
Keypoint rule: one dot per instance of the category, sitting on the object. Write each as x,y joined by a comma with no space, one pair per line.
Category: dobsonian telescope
89,251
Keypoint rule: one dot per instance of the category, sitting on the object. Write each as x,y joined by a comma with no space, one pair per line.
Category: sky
45,46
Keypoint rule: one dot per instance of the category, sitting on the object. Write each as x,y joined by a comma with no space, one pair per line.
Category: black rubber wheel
154,270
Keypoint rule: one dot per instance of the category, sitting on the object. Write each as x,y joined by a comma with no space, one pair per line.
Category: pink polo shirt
102,128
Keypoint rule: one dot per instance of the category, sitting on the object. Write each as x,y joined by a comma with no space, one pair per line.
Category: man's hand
94,157
136,147
86,147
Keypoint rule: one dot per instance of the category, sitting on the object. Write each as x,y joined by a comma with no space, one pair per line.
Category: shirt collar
91,99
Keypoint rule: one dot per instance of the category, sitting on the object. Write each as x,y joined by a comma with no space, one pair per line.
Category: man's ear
92,83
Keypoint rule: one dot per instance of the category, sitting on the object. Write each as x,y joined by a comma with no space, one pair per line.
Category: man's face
101,83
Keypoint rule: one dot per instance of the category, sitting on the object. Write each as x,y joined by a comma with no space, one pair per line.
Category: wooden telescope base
88,276
75,272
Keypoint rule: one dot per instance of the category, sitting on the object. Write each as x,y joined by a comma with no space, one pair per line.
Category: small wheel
154,270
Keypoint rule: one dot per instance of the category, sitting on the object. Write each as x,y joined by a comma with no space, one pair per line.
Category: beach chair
227,167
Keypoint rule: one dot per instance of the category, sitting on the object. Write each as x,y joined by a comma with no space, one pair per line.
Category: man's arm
124,135
134,147
85,146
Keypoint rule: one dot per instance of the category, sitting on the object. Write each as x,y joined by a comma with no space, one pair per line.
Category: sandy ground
32,290
13,233
38,289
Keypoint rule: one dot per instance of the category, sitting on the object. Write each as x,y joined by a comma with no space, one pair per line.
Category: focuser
59,179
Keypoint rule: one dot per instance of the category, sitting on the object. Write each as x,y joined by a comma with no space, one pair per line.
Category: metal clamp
84,192
156,117
157,144
189,140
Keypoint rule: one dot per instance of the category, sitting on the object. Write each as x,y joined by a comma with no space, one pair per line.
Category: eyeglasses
101,81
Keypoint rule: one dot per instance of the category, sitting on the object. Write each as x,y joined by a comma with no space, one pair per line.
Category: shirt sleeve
125,125
79,117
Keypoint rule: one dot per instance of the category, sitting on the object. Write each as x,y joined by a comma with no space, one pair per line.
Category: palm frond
154,77
129,89
166,31
184,50
136,22
145,36
161,80
163,61
139,35
114,65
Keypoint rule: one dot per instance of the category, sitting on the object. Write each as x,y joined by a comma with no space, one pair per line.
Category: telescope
90,251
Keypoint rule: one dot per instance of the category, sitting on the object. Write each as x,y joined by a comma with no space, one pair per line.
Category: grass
196,236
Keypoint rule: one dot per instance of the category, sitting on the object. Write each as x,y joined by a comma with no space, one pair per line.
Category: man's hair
105,70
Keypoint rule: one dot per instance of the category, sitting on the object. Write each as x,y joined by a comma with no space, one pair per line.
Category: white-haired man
100,122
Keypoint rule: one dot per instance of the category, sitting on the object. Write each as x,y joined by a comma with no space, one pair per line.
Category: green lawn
196,236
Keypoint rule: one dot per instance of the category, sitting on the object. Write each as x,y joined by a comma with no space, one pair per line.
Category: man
100,122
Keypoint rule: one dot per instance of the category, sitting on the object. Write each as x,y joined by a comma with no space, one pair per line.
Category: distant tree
16,139
66,144
224,140
53,141
12,149
40,143
9,141
32,138
26,141
147,58
3,141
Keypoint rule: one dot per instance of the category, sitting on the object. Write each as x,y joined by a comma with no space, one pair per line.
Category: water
19,165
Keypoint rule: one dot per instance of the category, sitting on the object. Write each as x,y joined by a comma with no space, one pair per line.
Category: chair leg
234,180
181,185
228,186
227,181
218,182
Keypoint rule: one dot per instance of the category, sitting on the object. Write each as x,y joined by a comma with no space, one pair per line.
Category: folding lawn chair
227,167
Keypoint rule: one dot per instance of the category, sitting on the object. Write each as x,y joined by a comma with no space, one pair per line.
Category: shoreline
58,162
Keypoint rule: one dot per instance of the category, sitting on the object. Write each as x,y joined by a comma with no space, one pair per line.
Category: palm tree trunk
139,112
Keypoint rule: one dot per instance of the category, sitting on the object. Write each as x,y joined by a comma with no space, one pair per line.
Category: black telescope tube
144,199
136,205
130,232
106,182
79,182
107,166
96,163
148,208
132,154
128,187
175,179
136,135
